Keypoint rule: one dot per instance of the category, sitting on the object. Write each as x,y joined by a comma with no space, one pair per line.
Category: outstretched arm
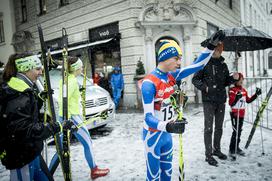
197,65
252,98
204,57
148,94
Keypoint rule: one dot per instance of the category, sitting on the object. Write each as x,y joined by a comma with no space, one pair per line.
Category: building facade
256,14
109,33
7,28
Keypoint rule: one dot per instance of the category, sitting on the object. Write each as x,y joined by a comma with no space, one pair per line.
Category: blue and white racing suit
156,90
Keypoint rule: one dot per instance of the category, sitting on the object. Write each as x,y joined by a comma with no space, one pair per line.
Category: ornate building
121,32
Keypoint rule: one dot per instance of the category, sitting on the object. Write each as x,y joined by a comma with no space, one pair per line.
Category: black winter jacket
215,76
24,131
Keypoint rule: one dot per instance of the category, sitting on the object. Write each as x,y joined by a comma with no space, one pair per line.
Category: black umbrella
244,39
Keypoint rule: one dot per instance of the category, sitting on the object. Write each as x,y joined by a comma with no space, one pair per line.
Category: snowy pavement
121,149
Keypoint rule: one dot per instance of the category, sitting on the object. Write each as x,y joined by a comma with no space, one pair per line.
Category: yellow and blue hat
168,49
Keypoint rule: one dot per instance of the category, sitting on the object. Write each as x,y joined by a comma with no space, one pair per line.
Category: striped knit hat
168,49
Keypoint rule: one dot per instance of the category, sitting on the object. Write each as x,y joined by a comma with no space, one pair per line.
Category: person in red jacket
237,98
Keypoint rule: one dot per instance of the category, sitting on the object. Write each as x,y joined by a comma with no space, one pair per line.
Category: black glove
239,95
69,125
185,97
215,39
81,89
176,126
43,94
54,127
258,91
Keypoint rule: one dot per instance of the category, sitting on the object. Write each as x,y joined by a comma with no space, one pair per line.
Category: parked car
97,99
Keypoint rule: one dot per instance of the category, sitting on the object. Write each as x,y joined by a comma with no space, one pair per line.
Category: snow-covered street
121,149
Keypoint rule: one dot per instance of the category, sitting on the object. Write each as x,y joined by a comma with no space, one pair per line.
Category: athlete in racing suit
160,117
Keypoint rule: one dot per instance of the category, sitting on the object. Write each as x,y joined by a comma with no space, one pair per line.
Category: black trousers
213,112
233,136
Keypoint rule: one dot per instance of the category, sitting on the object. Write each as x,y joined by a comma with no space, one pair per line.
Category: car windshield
55,77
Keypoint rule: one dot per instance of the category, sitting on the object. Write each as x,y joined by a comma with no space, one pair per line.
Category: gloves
258,91
215,39
177,126
54,127
43,94
69,125
238,95
81,89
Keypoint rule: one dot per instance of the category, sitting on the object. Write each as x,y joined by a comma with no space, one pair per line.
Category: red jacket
240,104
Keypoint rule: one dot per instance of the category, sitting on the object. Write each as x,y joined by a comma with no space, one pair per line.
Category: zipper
213,69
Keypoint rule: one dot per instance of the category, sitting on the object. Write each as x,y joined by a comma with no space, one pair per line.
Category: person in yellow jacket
74,114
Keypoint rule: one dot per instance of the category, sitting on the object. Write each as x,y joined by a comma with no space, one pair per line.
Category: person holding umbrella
212,80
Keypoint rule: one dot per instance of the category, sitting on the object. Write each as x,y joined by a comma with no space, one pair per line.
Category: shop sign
103,32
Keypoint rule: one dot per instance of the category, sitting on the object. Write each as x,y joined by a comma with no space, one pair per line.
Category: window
211,29
42,7
2,35
250,15
270,60
64,2
230,4
24,12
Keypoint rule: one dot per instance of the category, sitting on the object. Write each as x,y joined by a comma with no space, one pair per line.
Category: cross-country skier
159,114
24,131
238,97
74,114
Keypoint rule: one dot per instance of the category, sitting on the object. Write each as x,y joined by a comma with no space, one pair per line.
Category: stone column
188,59
149,62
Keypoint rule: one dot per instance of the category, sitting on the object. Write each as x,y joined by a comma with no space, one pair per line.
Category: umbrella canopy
244,39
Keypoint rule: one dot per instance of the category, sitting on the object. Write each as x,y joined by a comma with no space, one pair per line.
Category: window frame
211,26
63,3
23,11
2,31
42,4
230,4
270,60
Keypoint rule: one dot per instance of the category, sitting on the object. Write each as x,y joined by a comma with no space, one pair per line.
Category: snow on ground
121,149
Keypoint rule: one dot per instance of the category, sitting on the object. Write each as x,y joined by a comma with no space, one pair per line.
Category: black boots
220,155
211,161
240,152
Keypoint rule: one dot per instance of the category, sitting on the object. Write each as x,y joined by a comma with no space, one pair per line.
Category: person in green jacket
74,114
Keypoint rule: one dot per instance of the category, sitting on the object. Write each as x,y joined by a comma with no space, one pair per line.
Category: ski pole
237,127
261,130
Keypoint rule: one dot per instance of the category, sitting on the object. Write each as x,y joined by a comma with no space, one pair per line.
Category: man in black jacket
212,80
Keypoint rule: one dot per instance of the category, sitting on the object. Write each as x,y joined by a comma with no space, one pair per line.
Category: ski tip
246,146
